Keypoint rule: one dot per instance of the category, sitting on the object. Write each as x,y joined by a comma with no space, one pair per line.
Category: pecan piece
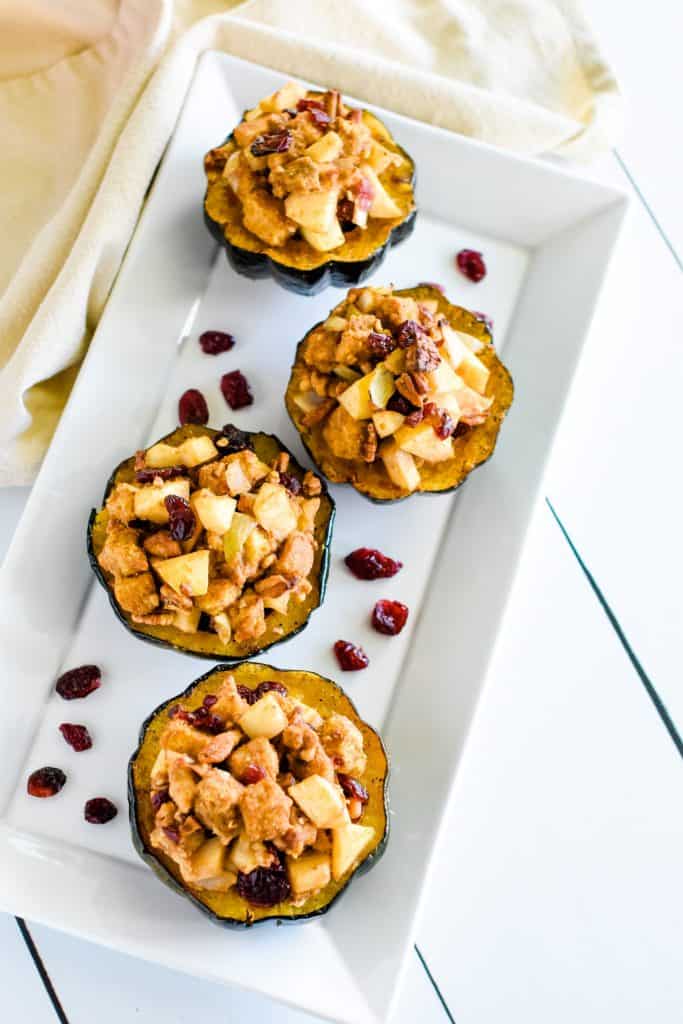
368,443
317,415
155,619
312,485
405,386
421,383
423,356
272,586
172,600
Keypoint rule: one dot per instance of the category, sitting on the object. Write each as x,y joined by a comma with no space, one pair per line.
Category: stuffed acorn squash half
398,392
213,543
309,190
259,794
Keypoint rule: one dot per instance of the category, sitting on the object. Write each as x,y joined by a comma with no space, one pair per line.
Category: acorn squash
295,194
216,873
418,393
208,593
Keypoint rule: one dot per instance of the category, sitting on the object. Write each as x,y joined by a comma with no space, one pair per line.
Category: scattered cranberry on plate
45,782
371,564
77,736
389,617
79,682
235,389
99,810
471,264
215,342
351,657
192,408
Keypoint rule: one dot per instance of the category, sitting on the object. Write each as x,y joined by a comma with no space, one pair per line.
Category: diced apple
234,540
186,574
326,148
195,450
159,773
148,501
368,394
214,511
275,511
187,619
310,715
284,98
396,361
312,210
278,604
309,872
381,157
423,442
462,358
349,843
245,855
322,802
161,456
222,627
448,401
387,422
400,466
444,378
209,860
346,373
324,241
264,718
382,204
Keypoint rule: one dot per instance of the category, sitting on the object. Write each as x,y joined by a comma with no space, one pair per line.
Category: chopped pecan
272,586
319,382
155,619
369,442
423,356
246,503
172,600
317,415
281,463
421,383
332,103
312,485
405,385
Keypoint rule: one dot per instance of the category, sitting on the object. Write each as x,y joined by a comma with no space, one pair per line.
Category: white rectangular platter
547,236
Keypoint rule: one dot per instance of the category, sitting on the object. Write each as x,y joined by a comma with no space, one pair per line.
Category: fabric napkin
90,92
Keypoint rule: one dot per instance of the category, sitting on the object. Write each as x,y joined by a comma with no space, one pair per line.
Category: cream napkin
90,91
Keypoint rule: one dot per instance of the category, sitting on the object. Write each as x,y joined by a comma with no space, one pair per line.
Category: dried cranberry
251,774
380,345
247,694
442,423
79,682
353,789
77,736
201,718
351,657
486,320
45,782
192,408
371,564
292,483
98,810
236,390
389,617
231,439
305,104
215,342
264,887
407,333
173,834
460,430
399,403
272,142
159,797
181,518
413,418
432,284
267,686
345,212
471,264
209,700
148,476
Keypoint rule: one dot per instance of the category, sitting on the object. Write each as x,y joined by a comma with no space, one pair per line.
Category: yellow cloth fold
89,94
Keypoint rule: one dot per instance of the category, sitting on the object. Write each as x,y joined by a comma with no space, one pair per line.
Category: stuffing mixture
210,541
304,164
387,379
257,790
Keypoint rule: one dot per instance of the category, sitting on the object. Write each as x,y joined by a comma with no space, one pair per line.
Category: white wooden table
557,896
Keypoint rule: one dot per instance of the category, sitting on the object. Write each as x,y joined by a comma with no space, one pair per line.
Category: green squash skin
426,291
169,880
331,272
217,653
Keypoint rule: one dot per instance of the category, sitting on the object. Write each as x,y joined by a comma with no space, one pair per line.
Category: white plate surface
547,237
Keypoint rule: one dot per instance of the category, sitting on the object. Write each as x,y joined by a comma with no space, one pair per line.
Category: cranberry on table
351,657
45,782
236,391
371,564
79,682
192,408
471,263
181,518
215,342
264,887
99,810
389,617
77,736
